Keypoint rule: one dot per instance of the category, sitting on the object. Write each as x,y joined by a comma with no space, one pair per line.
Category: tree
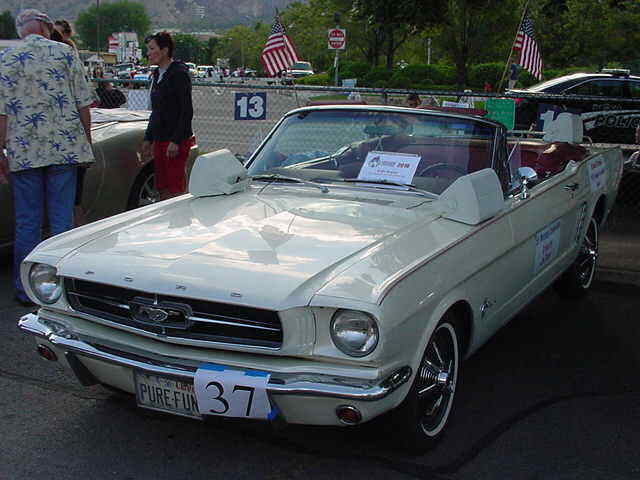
390,24
121,16
591,33
7,25
189,48
478,30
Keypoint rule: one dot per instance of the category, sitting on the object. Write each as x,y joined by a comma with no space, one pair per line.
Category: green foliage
356,70
189,49
377,77
485,72
120,16
317,79
7,25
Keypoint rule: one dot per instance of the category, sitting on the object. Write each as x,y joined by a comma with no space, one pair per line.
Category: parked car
344,273
193,69
118,181
604,122
143,76
125,71
300,69
203,70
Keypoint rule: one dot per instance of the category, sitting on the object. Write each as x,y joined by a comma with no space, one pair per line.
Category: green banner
502,110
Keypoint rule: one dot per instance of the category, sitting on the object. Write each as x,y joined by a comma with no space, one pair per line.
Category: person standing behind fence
169,133
45,126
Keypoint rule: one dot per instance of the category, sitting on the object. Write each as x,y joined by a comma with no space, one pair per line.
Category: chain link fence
238,116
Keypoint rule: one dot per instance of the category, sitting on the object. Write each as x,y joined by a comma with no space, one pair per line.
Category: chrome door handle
572,187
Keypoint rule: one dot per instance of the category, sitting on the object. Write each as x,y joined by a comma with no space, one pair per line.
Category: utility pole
98,27
336,62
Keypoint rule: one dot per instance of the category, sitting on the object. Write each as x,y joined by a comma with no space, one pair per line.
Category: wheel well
599,211
464,316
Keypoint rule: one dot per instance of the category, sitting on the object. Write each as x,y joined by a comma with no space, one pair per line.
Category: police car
604,121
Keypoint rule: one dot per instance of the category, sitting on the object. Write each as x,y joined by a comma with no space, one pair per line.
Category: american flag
526,43
279,52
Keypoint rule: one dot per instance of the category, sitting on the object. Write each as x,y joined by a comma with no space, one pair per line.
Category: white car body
301,252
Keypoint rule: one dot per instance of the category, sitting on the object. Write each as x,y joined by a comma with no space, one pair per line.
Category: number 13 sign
232,393
251,106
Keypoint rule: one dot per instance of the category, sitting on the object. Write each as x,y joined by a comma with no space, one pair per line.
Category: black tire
421,420
577,280
143,191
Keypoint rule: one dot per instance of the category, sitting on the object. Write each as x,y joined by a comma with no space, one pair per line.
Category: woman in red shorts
169,134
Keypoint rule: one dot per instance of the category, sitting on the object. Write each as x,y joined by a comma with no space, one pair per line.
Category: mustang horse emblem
151,314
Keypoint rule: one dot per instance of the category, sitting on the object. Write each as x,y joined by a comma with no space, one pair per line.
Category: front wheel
577,280
421,419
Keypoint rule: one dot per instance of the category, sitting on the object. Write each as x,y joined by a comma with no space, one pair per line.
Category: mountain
168,13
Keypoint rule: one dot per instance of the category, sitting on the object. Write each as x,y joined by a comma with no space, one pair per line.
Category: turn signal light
46,353
348,414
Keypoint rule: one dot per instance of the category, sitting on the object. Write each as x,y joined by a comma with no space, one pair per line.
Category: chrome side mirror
528,176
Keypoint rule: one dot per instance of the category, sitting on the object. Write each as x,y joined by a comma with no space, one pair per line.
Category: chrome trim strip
113,303
317,385
233,324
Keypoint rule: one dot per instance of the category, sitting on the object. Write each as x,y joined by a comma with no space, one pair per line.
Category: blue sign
251,106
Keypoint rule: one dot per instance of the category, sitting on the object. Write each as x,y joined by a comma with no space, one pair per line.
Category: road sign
337,38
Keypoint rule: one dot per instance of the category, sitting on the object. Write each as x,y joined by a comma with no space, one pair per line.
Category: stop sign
337,38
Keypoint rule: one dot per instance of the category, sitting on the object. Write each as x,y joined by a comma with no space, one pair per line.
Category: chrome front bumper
316,385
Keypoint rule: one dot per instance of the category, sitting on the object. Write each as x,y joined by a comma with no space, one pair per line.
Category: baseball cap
31,14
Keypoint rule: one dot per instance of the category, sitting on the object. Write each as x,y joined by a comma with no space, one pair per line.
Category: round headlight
45,282
354,333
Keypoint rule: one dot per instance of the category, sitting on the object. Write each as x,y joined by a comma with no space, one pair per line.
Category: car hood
273,247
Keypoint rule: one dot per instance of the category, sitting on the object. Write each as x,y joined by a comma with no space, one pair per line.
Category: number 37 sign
251,106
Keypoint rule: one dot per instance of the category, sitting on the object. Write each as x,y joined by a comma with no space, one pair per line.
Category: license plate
166,394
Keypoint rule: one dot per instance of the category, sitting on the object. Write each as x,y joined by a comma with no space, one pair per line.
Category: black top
171,107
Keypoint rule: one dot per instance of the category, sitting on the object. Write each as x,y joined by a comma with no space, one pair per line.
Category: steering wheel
436,166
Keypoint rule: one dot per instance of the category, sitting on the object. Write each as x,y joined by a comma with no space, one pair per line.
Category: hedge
432,77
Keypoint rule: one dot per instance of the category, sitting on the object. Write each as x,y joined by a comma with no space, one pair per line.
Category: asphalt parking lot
555,394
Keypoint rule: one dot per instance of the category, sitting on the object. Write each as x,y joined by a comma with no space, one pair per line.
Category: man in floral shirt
45,128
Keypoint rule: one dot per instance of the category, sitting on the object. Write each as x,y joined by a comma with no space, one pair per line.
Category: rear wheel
422,418
143,191
577,280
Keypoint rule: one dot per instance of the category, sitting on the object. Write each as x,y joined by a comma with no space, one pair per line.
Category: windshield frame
495,143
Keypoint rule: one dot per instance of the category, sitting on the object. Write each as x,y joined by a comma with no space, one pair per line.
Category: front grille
193,319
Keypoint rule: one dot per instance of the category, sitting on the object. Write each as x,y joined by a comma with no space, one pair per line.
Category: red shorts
171,172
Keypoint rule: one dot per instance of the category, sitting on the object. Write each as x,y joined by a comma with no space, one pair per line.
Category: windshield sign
428,151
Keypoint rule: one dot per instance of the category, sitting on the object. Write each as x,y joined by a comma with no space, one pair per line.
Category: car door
544,222
606,121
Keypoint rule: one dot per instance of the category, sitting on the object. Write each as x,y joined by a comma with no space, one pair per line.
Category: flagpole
508,64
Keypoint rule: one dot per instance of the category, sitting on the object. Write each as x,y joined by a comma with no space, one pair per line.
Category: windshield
426,150
301,66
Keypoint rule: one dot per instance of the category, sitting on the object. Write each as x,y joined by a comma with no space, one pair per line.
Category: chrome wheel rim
437,379
588,257
148,193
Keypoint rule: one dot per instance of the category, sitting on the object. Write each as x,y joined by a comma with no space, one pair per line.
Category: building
125,46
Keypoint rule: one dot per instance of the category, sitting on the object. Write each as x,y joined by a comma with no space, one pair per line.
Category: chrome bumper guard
316,385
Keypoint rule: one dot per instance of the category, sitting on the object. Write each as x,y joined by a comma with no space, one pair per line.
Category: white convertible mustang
343,273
